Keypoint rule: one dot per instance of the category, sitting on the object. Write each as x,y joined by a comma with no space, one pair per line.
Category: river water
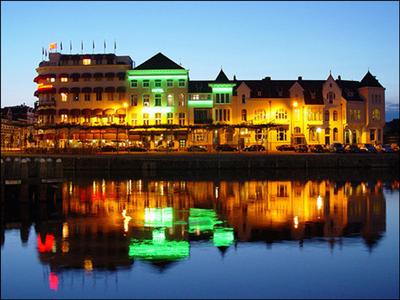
205,238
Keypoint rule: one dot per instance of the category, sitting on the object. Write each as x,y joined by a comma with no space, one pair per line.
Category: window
63,97
110,96
181,82
87,97
296,114
217,98
182,143
134,119
222,114
110,119
327,115
133,83
181,100
195,97
170,118
181,119
170,82
146,100
145,119
281,134
259,115
314,114
281,114
334,115
86,79
244,115
134,100
327,131
335,134
157,83
52,79
379,134
158,118
330,96
86,61
157,100
170,100
376,115
146,83
75,97
313,134
64,118
121,96
99,96
64,79
243,99
297,130
372,134
98,60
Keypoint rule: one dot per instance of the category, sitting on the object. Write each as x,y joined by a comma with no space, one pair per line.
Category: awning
98,75
121,75
64,75
86,75
108,112
63,112
110,75
121,89
98,89
86,90
86,112
47,91
75,90
63,90
75,112
121,111
39,77
75,75
110,89
97,112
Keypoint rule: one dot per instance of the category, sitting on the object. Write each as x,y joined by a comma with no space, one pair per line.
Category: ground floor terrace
176,137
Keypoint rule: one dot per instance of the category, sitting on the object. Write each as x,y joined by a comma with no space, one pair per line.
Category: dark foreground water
148,238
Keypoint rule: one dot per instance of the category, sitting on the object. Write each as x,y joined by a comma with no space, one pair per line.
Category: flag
93,45
82,45
104,44
53,46
115,45
42,51
61,46
70,46
45,52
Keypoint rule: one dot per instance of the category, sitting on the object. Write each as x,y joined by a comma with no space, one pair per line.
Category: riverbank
176,162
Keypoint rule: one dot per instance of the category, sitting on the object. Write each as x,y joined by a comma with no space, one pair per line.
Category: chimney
339,77
267,78
234,77
300,78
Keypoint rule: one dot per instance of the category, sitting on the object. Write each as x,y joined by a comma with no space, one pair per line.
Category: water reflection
109,224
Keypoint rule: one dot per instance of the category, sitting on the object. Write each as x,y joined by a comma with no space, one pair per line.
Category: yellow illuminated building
95,100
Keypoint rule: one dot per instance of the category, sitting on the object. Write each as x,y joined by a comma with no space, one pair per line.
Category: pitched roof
199,86
268,88
158,62
222,78
312,91
370,81
350,89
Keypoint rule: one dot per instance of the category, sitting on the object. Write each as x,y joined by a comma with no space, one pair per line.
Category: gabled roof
268,88
370,81
312,91
349,89
158,62
222,78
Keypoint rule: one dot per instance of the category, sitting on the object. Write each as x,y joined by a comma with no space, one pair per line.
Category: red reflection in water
53,281
48,244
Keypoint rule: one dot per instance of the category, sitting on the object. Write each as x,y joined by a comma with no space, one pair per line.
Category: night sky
251,40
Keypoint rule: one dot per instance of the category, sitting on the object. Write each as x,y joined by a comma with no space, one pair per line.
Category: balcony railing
47,102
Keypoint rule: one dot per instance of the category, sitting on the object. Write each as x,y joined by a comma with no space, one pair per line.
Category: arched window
313,135
243,98
335,134
327,131
376,115
334,115
327,115
244,115
259,115
297,130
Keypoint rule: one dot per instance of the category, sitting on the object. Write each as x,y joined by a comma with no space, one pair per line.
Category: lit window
134,100
133,83
281,114
376,115
87,97
145,119
181,82
335,115
64,118
63,97
146,100
52,79
87,61
181,100
181,119
170,100
170,118
76,97
157,100
158,118
170,83
146,83
195,97
64,79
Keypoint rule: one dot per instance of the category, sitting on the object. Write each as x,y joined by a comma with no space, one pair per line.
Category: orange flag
53,46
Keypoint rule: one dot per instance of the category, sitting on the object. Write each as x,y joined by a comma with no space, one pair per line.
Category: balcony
44,102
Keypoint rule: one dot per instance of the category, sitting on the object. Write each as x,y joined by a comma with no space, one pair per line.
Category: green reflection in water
202,220
159,248
158,217
223,237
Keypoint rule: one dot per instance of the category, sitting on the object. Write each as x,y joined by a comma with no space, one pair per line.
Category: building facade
94,100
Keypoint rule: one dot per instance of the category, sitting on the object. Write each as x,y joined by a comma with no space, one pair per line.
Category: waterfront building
17,127
95,100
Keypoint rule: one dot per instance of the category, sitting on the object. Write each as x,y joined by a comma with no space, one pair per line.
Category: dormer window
259,93
86,61
330,96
